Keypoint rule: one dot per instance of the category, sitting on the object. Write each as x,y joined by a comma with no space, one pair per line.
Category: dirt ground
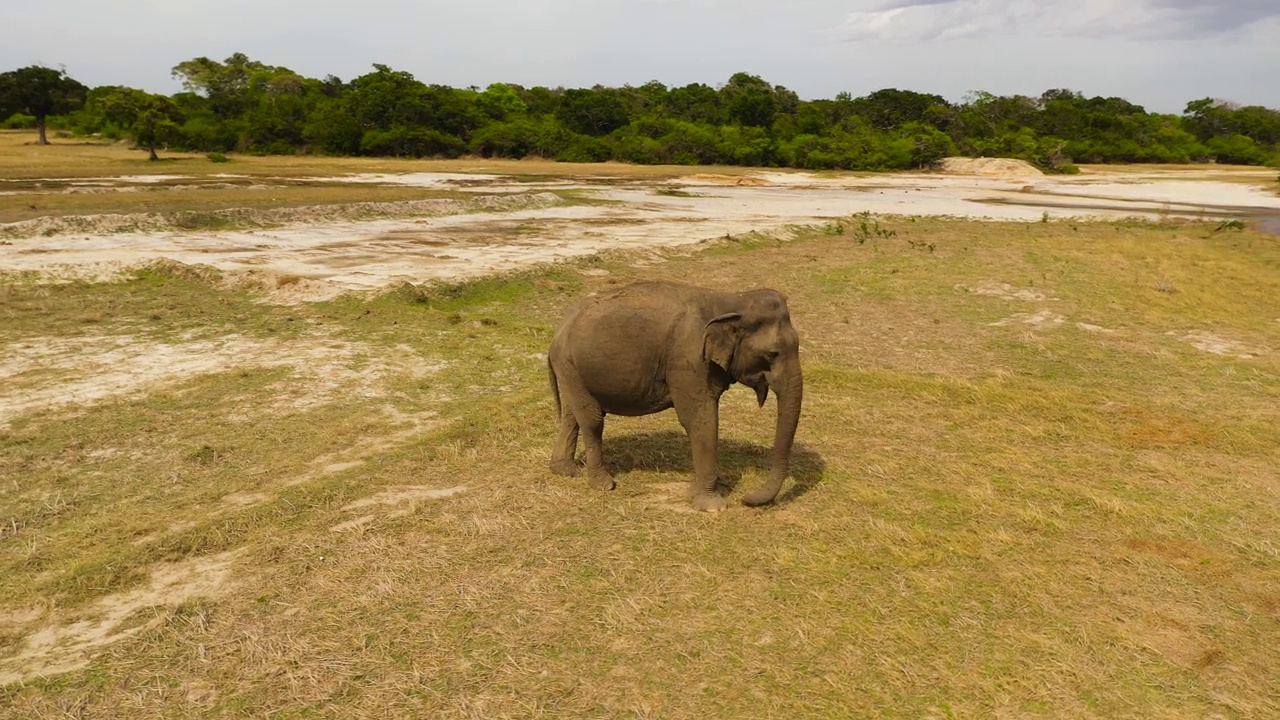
299,254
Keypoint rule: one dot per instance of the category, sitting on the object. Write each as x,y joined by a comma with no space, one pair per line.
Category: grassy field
1036,476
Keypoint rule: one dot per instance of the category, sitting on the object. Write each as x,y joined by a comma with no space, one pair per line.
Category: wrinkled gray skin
651,346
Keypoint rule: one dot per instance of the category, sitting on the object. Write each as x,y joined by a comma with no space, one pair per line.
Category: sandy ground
68,643
334,256
50,372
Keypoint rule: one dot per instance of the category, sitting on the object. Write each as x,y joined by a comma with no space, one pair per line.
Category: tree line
242,105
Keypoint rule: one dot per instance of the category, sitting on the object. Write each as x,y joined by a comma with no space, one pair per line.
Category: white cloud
907,21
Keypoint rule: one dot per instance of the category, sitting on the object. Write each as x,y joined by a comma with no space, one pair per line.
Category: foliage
19,121
150,119
39,92
244,105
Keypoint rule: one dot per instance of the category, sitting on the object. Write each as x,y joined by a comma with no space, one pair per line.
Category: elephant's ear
719,339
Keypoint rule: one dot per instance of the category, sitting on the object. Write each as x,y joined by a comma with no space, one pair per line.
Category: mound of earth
990,167
726,179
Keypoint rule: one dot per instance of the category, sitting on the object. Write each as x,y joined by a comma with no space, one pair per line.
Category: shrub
18,121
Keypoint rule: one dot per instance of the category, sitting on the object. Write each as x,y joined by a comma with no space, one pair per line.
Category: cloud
908,21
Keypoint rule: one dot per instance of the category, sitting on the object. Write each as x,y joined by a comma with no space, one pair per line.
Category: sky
1157,53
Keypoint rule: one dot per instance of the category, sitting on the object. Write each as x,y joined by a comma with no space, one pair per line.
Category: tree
39,92
225,84
150,119
385,98
750,100
925,144
501,102
1236,149
598,111
1206,118
695,102
889,108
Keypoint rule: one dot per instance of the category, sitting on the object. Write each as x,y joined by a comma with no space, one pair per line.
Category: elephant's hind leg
562,461
591,420
579,411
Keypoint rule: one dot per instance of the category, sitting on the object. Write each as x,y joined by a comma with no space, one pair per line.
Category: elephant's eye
771,356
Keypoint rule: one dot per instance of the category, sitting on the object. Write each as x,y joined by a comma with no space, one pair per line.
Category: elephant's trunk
788,386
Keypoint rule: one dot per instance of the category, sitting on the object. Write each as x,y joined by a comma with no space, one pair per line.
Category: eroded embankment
50,226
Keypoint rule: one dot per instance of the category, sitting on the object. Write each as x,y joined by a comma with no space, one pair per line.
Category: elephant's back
623,337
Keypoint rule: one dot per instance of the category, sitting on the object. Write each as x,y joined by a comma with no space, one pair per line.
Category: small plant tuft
867,230
205,455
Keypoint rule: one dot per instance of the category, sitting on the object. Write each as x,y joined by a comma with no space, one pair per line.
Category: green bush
1237,150
584,149
18,121
404,141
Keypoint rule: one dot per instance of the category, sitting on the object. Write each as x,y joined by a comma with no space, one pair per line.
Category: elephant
650,346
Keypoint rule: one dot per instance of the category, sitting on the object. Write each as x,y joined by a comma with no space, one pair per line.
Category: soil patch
1218,345
72,639
1005,290
1044,318
714,179
989,167
42,373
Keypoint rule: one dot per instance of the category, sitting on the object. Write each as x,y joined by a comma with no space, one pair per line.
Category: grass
163,198
1016,519
22,159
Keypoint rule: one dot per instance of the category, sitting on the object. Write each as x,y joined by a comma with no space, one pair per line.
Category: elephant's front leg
701,420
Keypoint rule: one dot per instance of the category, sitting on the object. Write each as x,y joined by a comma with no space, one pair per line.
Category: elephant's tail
555,386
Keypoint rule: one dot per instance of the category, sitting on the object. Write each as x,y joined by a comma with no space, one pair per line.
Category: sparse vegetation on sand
1035,476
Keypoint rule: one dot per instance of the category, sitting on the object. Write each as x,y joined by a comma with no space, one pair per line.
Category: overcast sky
1157,53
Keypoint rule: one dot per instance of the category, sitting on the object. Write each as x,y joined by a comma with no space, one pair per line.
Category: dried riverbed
505,222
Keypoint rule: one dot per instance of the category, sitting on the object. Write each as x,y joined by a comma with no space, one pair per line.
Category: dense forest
240,105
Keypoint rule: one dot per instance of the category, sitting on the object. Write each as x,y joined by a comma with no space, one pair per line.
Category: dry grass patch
21,159
34,203
985,518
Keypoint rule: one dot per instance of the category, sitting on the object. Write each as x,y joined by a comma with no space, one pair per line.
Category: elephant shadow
670,451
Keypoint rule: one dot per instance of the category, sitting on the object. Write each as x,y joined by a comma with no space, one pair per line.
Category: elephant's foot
567,468
709,502
601,480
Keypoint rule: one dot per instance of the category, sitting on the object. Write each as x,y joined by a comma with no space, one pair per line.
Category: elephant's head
754,342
